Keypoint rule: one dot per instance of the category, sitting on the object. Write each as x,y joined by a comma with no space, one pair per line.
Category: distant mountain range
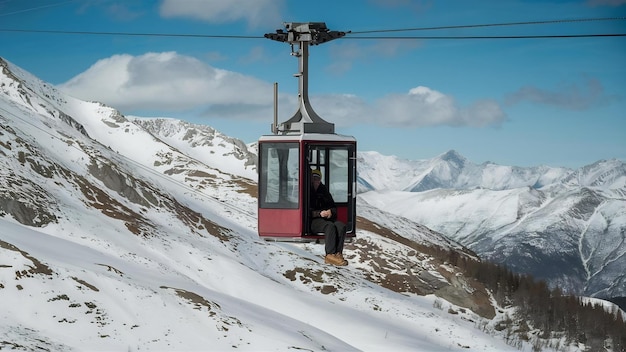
562,225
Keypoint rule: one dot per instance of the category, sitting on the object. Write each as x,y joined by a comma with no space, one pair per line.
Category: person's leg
330,233
341,235
318,225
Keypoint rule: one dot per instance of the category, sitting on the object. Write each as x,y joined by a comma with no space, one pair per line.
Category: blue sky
522,102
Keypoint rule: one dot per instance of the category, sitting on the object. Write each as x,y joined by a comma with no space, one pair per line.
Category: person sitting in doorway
324,219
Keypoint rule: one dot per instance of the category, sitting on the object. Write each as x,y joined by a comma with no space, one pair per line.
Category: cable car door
337,163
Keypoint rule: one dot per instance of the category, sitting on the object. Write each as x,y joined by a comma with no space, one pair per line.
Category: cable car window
279,170
333,162
338,183
317,160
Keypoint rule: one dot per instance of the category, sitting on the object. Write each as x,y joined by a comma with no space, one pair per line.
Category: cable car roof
322,137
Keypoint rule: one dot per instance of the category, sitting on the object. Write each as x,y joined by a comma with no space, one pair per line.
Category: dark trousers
334,233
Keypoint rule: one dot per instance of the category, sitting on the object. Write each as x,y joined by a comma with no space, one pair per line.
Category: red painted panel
280,222
342,214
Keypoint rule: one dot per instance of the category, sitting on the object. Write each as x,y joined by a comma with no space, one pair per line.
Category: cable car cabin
299,145
285,165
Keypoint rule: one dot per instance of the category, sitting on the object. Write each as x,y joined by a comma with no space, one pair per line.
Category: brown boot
333,259
340,255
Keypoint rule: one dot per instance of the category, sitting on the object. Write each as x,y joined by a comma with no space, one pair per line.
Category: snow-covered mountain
565,226
205,144
122,233
449,170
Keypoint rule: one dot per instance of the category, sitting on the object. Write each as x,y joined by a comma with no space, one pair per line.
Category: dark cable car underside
299,145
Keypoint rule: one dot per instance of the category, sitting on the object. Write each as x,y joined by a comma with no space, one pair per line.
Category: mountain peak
452,156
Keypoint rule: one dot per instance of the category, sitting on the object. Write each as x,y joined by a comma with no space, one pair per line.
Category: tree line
555,314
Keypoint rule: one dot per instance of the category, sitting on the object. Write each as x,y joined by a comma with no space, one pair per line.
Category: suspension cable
494,37
355,34
131,34
492,25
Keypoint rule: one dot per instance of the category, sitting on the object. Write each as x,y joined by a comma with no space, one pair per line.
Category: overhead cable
355,34
495,37
491,25
131,34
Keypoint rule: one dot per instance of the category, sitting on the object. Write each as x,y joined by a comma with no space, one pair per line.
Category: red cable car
297,146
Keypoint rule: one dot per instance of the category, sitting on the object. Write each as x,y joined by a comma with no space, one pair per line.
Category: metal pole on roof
275,124
305,120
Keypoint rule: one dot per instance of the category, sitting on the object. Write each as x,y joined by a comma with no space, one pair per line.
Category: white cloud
172,82
166,81
342,109
570,96
420,107
255,12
